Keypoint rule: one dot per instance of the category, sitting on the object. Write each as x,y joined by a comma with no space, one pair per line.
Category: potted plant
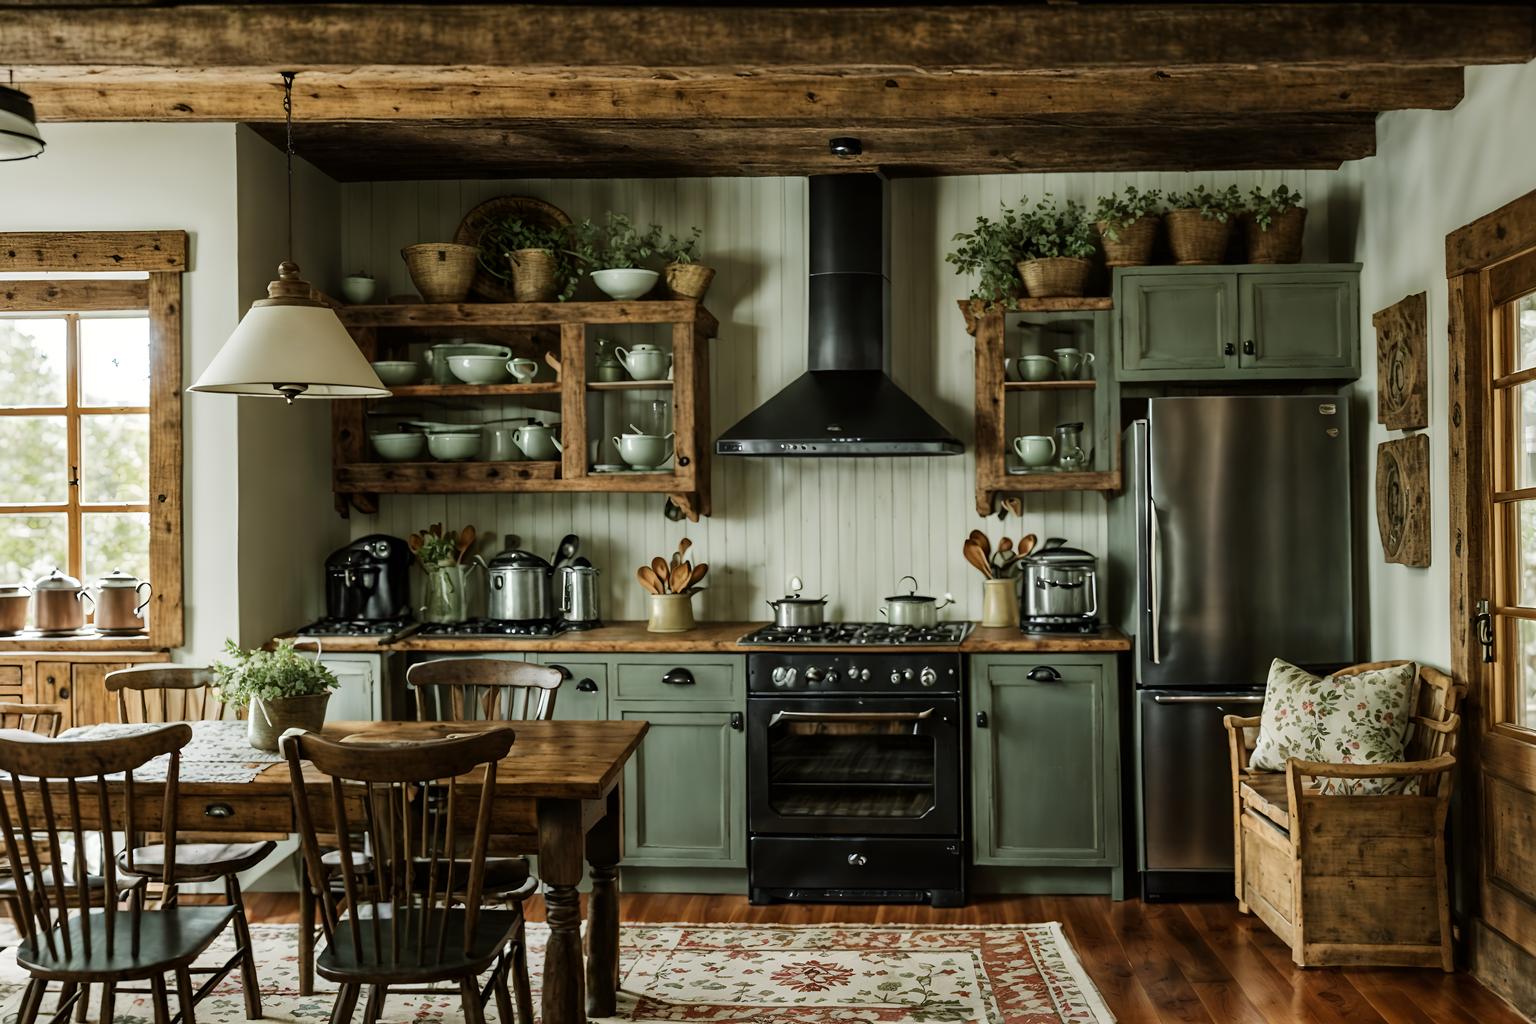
686,277
534,257
1127,225
1273,225
1055,246
614,253
1200,224
989,251
281,688
358,288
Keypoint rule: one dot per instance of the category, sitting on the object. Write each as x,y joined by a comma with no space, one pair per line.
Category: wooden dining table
557,796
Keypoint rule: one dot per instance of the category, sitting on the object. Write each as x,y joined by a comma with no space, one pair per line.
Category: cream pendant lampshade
19,137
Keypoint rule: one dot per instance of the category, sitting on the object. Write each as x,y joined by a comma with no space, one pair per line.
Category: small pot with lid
14,599
912,608
793,611
522,587
1060,585
120,602
59,609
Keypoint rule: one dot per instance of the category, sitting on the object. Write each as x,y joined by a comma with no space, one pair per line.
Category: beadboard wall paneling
849,527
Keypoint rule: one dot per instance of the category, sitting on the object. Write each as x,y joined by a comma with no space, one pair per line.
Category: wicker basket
1282,242
1055,276
534,275
534,211
689,280
1134,246
1196,239
441,271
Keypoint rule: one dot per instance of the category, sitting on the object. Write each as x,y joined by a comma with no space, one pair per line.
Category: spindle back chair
415,916
168,693
42,719
484,689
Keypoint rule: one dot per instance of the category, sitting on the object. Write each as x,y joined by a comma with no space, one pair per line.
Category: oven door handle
851,716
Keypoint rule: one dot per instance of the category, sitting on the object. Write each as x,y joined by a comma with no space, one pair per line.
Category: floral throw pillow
1354,719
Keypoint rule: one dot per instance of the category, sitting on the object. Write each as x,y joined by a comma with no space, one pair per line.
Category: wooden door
1177,326
1044,761
1302,324
685,789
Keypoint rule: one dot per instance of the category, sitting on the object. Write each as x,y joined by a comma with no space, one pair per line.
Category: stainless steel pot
578,595
792,610
57,598
1060,582
522,587
912,608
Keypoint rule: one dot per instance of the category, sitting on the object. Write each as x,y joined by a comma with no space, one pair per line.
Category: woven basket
441,271
534,211
1055,276
1282,242
1195,239
1134,246
689,280
534,275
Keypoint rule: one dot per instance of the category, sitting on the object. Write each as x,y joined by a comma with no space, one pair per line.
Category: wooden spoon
974,555
679,580
980,540
662,570
466,541
683,546
648,580
1027,544
697,574
1015,505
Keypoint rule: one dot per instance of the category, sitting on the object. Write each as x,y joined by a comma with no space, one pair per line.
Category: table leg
560,858
603,912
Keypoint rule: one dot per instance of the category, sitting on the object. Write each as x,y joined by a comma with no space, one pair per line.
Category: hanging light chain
288,77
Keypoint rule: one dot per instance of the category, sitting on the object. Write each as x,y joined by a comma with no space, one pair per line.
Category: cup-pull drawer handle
678,677
586,686
218,811
1044,674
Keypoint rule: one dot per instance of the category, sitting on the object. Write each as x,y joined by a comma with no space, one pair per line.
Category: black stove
495,627
357,627
861,634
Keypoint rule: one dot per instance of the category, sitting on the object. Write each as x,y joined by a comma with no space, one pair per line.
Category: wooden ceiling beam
1000,37
445,150
702,100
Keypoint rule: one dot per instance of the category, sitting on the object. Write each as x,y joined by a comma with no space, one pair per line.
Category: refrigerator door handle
1162,698
1154,582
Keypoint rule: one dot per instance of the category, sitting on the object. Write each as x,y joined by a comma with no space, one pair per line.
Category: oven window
850,765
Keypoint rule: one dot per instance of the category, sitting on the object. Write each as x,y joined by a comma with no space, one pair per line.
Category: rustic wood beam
73,295
702,99
1001,37
424,150
93,251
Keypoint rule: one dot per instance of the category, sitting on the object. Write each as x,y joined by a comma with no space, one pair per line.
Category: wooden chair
485,689
1345,879
181,693
69,936
415,918
42,720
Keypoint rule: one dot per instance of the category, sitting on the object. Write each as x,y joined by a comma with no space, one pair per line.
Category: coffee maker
369,580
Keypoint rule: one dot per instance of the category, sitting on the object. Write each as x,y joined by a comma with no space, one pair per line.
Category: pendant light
19,137
290,345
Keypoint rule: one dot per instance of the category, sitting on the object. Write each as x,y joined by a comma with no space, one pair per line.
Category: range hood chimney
845,403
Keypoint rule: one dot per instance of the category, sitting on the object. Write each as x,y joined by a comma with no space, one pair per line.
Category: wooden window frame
162,257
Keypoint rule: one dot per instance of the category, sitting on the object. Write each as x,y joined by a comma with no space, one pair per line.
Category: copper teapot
58,598
120,602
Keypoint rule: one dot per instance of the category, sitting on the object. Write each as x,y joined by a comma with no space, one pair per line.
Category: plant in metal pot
535,258
1056,243
989,251
1200,223
1273,222
281,688
1127,224
614,253
686,277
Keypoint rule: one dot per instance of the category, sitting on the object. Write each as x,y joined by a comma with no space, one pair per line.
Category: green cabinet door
685,788
1177,325
1301,324
584,696
1045,761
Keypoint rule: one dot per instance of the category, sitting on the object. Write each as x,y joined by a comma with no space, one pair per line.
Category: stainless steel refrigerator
1236,527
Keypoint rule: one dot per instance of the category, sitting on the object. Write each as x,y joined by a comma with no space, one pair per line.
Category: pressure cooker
1060,589
522,587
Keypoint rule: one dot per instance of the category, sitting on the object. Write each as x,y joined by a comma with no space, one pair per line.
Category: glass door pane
844,765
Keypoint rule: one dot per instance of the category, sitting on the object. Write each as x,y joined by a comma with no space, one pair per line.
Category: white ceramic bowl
473,369
399,447
358,289
629,283
1036,368
394,372
643,451
453,447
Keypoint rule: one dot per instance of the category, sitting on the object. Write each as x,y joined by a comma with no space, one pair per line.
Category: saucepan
792,610
912,608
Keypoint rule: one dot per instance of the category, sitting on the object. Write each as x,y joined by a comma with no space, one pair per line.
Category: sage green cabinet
1285,322
1045,761
685,789
584,696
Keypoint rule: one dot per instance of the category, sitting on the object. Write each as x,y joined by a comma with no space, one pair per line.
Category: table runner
218,752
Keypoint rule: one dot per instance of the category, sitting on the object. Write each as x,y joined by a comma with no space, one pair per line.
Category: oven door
854,767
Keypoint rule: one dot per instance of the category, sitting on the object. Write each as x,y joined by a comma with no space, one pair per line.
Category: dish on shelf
395,372
455,447
473,368
399,447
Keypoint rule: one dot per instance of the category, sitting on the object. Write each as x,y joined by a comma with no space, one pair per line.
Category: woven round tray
487,285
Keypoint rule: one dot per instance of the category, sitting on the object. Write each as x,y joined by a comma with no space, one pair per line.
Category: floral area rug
824,974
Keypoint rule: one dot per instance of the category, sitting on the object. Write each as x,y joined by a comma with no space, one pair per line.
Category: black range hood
845,403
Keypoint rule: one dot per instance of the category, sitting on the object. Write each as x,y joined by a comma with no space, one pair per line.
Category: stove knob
863,675
813,676
783,676
831,676
895,678
929,677
907,675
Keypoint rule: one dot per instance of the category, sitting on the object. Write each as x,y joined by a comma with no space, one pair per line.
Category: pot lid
57,580
911,596
1055,552
117,578
13,589
518,560
797,599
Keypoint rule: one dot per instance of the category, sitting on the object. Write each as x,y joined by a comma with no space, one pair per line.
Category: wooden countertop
710,638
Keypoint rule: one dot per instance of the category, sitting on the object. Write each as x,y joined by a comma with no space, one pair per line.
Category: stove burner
1048,624
861,634
494,627
356,627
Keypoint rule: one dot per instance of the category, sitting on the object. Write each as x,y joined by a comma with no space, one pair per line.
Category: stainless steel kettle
577,588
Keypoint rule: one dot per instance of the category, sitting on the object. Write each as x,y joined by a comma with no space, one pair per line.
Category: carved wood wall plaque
1402,499
1402,364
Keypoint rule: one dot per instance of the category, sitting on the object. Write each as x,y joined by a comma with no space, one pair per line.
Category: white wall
850,528
1433,172
134,177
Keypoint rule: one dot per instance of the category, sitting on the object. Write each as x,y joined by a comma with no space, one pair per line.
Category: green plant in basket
1050,230
680,250
617,244
501,238
1119,210
990,251
1211,205
271,675
1265,207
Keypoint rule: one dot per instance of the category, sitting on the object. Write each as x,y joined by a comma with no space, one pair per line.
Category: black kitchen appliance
854,790
860,634
369,580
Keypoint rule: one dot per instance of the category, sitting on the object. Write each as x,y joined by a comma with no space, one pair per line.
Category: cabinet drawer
660,678
10,682
584,696
212,814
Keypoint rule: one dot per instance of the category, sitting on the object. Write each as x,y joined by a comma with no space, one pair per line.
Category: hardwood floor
1194,963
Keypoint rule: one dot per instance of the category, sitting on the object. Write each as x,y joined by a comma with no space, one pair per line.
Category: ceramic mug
1035,450
1035,368
523,369
1073,363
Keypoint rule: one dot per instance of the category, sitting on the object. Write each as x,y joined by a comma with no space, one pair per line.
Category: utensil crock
670,613
1000,602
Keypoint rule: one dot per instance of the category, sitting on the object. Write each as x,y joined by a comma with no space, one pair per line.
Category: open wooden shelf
1050,385
512,390
1023,482
527,314
629,385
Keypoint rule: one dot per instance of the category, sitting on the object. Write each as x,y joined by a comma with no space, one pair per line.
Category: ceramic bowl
399,447
358,289
478,369
394,372
643,451
629,283
453,447
1035,368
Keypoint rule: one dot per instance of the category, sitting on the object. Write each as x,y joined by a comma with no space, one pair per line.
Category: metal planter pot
266,721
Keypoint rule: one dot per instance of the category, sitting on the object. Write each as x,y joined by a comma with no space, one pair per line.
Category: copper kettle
120,602
58,598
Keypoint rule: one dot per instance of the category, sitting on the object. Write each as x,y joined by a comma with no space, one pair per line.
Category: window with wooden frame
90,414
